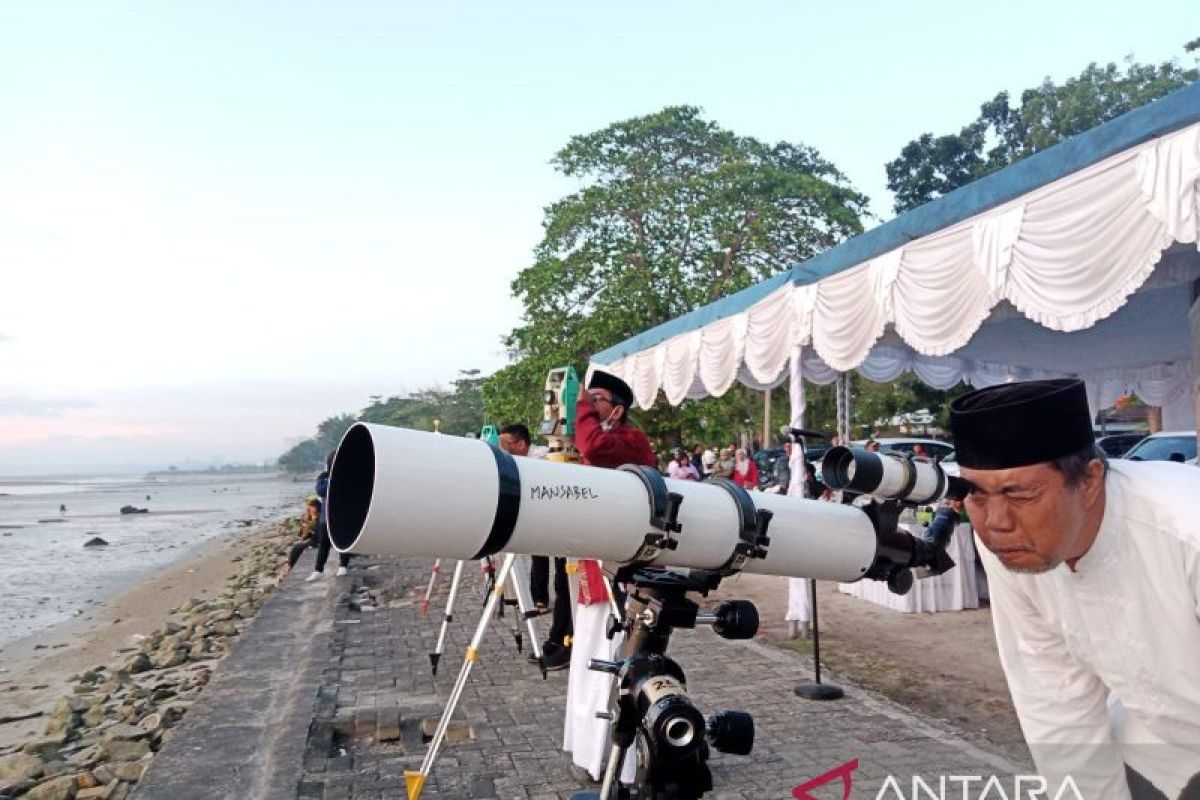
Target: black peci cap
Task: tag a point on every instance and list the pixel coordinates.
(622, 394)
(1019, 424)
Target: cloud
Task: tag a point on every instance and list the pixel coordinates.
(18, 405)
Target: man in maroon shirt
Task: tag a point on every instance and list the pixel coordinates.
(603, 434)
(605, 438)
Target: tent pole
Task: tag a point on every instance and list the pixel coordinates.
(843, 406)
(766, 433)
(1194, 318)
(839, 403)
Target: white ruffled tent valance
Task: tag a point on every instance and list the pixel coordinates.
(980, 300)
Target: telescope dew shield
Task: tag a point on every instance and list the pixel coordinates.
(883, 475)
(399, 492)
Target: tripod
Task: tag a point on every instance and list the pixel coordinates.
(511, 569)
(519, 586)
(653, 714)
(437, 567)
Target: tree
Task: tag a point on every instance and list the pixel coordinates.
(931, 166)
(304, 456)
(458, 411)
(673, 212)
(331, 431)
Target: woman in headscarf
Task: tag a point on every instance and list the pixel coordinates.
(745, 472)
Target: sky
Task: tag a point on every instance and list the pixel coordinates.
(223, 222)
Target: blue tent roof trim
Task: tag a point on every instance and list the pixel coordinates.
(1159, 118)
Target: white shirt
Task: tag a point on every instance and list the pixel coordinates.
(1104, 663)
(682, 472)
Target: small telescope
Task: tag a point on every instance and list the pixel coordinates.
(898, 481)
(889, 476)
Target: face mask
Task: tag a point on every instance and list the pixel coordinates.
(608, 422)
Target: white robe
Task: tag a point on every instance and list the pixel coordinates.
(1104, 662)
(586, 737)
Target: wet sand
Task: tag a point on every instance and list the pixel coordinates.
(36, 669)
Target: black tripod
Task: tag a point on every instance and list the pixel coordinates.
(654, 716)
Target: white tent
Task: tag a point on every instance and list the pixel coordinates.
(1080, 260)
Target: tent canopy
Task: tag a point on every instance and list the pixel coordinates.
(1078, 260)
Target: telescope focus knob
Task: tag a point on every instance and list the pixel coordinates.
(900, 581)
(600, 665)
(735, 619)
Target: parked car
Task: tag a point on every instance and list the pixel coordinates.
(1166, 446)
(765, 461)
(936, 449)
(1116, 445)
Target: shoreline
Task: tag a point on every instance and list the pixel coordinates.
(42, 668)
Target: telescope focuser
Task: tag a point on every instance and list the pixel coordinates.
(899, 552)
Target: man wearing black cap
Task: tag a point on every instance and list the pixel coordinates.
(603, 434)
(1094, 576)
(605, 438)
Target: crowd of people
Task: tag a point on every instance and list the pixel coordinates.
(732, 462)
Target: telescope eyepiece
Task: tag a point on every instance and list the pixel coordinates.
(731, 732)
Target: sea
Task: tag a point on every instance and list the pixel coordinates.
(47, 576)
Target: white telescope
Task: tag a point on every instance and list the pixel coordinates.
(889, 475)
(395, 491)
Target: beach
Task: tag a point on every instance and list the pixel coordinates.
(49, 576)
(70, 609)
(38, 668)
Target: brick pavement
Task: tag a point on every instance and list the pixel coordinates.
(377, 687)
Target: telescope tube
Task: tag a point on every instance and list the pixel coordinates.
(395, 491)
(884, 475)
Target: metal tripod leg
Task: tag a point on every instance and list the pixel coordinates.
(520, 588)
(436, 655)
(612, 772)
(437, 567)
(613, 606)
(414, 782)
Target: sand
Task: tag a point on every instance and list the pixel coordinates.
(36, 669)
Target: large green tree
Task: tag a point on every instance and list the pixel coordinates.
(930, 166)
(672, 212)
(458, 409)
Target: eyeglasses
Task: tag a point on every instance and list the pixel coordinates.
(599, 398)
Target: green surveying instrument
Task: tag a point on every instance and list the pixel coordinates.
(490, 434)
(558, 413)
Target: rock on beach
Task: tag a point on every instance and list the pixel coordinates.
(99, 738)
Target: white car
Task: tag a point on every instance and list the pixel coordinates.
(1166, 446)
(935, 449)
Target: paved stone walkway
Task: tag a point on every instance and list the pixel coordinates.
(364, 683)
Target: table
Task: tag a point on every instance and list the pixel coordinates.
(953, 590)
